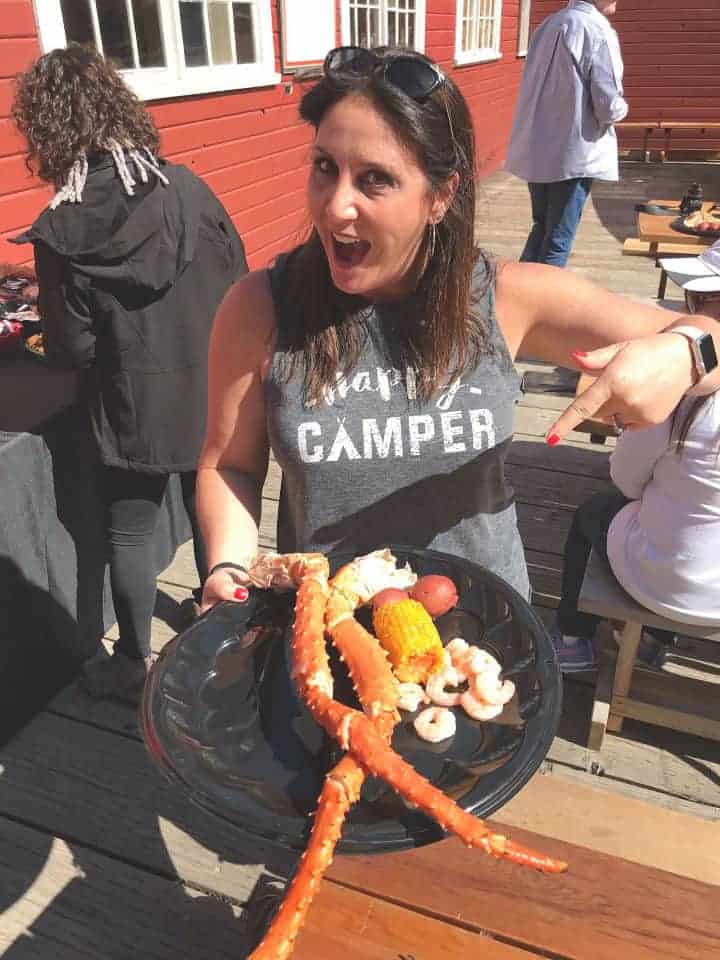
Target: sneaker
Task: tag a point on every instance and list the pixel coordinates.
(116, 678)
(575, 654)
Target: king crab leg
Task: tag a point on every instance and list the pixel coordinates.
(365, 737)
(376, 689)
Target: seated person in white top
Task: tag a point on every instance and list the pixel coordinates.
(660, 532)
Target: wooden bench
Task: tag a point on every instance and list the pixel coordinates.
(666, 128)
(625, 688)
(445, 901)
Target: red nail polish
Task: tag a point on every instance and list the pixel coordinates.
(579, 353)
(553, 440)
(241, 594)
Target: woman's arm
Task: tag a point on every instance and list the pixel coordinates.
(643, 370)
(234, 459)
(67, 324)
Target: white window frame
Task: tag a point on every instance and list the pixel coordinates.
(385, 7)
(480, 54)
(175, 79)
(524, 17)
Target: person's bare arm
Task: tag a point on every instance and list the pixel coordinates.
(642, 369)
(234, 458)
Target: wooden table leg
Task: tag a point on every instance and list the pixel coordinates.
(629, 643)
(646, 143)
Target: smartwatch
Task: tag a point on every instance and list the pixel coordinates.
(702, 348)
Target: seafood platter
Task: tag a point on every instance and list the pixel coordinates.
(701, 223)
(357, 704)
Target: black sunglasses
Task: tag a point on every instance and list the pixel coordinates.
(413, 75)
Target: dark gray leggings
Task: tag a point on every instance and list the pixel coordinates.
(133, 503)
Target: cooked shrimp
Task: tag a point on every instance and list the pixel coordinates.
(478, 661)
(435, 724)
(489, 688)
(437, 684)
(469, 660)
(457, 648)
(410, 696)
(478, 709)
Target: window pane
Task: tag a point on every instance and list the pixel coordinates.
(244, 36)
(76, 18)
(411, 30)
(220, 39)
(374, 39)
(363, 39)
(147, 33)
(365, 22)
(193, 33)
(115, 32)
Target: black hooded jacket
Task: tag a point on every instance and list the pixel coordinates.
(129, 287)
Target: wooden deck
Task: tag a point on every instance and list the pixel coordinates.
(101, 860)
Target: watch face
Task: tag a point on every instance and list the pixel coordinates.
(706, 348)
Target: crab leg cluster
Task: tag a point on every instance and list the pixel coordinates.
(324, 605)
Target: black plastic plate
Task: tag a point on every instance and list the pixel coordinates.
(221, 717)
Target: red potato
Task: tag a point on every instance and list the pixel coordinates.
(389, 595)
(437, 594)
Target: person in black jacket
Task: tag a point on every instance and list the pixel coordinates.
(133, 257)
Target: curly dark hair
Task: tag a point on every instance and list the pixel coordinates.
(73, 101)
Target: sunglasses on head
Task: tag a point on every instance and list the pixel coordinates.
(413, 75)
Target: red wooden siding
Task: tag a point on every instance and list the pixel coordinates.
(251, 147)
(21, 195)
(671, 52)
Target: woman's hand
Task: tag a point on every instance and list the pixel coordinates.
(639, 383)
(225, 584)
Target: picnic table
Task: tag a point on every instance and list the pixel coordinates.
(655, 229)
(445, 901)
(655, 232)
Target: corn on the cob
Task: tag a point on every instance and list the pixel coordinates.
(406, 630)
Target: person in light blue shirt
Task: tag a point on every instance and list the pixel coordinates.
(562, 135)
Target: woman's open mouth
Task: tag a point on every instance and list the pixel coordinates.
(349, 251)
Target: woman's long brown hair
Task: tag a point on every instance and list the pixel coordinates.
(440, 334)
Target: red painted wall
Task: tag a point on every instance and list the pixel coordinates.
(671, 52)
(250, 146)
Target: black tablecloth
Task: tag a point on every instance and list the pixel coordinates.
(54, 593)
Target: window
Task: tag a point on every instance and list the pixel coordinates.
(477, 35)
(523, 27)
(374, 23)
(167, 48)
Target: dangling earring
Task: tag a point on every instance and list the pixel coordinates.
(433, 240)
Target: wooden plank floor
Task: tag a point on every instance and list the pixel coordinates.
(100, 859)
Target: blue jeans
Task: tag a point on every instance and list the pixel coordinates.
(556, 211)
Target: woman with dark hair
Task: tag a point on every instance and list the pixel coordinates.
(376, 359)
(133, 257)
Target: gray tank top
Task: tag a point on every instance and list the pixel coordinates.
(370, 464)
